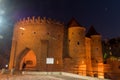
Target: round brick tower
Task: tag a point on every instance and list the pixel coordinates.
(76, 38)
(97, 57)
(96, 51)
(96, 46)
(35, 45)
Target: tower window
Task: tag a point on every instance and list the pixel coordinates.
(97, 49)
(59, 35)
(69, 40)
(78, 43)
(22, 33)
(96, 61)
(105, 62)
(34, 32)
(118, 67)
(47, 33)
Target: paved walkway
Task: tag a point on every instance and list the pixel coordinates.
(28, 77)
(36, 77)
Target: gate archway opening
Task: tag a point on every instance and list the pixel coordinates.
(28, 61)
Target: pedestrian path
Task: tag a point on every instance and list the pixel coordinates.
(37, 77)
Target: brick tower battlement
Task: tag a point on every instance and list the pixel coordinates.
(39, 20)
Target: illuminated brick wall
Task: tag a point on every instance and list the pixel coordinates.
(40, 35)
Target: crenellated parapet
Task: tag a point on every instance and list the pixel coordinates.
(37, 20)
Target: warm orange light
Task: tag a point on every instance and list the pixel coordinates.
(57, 62)
(82, 69)
(29, 59)
(100, 70)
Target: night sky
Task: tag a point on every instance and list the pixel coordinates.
(103, 14)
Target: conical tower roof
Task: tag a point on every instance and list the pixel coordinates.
(92, 31)
(73, 23)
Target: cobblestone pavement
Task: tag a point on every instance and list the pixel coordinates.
(36, 77)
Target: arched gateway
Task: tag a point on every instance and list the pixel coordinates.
(26, 60)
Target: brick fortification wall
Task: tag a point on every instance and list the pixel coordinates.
(69, 49)
(40, 35)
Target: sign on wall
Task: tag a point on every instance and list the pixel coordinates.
(49, 60)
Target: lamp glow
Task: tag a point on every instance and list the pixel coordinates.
(2, 12)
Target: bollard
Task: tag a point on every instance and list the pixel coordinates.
(3, 71)
(12, 71)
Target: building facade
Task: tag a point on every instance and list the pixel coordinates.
(48, 45)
